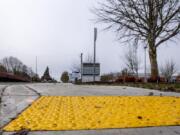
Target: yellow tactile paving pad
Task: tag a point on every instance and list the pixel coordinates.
(97, 112)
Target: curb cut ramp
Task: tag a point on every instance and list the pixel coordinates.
(52, 113)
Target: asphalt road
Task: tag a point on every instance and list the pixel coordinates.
(16, 97)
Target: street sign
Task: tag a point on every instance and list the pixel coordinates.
(88, 69)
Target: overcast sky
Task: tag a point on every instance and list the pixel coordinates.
(57, 31)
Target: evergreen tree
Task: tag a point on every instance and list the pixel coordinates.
(46, 76)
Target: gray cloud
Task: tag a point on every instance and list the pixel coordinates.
(57, 31)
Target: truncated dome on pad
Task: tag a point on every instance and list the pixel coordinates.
(97, 112)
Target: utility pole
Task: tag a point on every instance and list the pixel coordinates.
(145, 71)
(81, 65)
(95, 39)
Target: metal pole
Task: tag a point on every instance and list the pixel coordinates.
(36, 66)
(81, 65)
(145, 72)
(95, 38)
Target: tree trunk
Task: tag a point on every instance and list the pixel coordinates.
(153, 62)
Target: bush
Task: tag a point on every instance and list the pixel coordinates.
(140, 80)
(122, 79)
(119, 80)
(153, 80)
(65, 77)
(130, 79)
(178, 79)
(107, 78)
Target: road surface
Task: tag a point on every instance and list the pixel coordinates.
(17, 97)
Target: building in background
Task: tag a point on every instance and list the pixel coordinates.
(74, 76)
(88, 72)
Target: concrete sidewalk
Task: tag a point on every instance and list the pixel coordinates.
(75, 90)
(17, 97)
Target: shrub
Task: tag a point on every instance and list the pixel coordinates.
(130, 79)
(122, 79)
(65, 77)
(119, 79)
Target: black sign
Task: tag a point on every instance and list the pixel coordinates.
(88, 69)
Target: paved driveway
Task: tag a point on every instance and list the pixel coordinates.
(16, 97)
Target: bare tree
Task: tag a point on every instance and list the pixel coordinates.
(89, 58)
(15, 66)
(168, 70)
(30, 72)
(150, 21)
(2, 68)
(5, 63)
(132, 61)
(12, 64)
